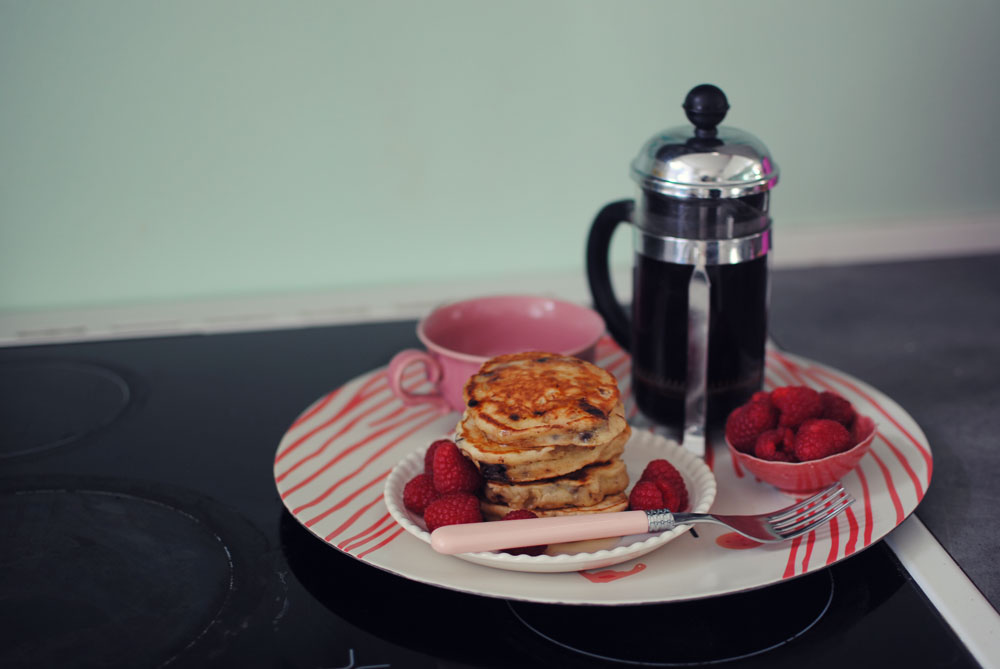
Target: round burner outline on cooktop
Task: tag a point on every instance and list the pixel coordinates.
(93, 569)
(48, 403)
(725, 626)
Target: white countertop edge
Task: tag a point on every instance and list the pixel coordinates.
(275, 312)
(832, 244)
(956, 598)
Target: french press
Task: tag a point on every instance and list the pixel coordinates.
(700, 287)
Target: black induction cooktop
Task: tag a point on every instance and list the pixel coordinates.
(142, 528)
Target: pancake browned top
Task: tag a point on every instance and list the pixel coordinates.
(528, 395)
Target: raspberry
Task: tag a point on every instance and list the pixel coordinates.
(519, 514)
(669, 481)
(659, 468)
(429, 455)
(775, 445)
(761, 396)
(796, 404)
(418, 493)
(747, 421)
(675, 494)
(837, 408)
(645, 495)
(453, 472)
(453, 509)
(820, 437)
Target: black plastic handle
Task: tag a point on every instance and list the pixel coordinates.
(598, 273)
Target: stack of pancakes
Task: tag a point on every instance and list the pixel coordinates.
(547, 433)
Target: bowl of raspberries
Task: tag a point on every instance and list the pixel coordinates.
(797, 438)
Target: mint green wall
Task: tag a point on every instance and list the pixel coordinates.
(164, 150)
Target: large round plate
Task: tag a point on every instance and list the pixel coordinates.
(642, 447)
(332, 464)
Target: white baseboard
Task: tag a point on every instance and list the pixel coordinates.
(824, 245)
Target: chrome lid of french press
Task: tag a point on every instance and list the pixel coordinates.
(705, 160)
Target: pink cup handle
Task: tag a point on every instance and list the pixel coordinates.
(432, 369)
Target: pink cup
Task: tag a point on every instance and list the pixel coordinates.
(461, 336)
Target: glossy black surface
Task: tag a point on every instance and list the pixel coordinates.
(199, 433)
(48, 403)
(817, 620)
(91, 572)
(753, 623)
(870, 621)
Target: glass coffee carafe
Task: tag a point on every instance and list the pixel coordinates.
(702, 234)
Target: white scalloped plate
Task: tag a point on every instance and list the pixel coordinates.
(641, 448)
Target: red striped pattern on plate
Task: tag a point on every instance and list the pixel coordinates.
(331, 465)
(332, 461)
(899, 464)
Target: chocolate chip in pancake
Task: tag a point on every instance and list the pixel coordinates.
(584, 487)
(524, 461)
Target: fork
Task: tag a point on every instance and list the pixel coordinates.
(781, 525)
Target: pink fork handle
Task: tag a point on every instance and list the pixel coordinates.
(474, 537)
(432, 369)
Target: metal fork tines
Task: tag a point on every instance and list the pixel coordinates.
(781, 525)
(809, 514)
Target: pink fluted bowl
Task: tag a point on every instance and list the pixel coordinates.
(805, 478)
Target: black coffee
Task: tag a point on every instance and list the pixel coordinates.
(737, 335)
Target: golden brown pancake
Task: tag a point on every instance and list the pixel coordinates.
(619, 502)
(533, 395)
(546, 431)
(614, 426)
(514, 463)
(584, 487)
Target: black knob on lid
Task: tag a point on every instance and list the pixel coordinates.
(706, 105)
(709, 161)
